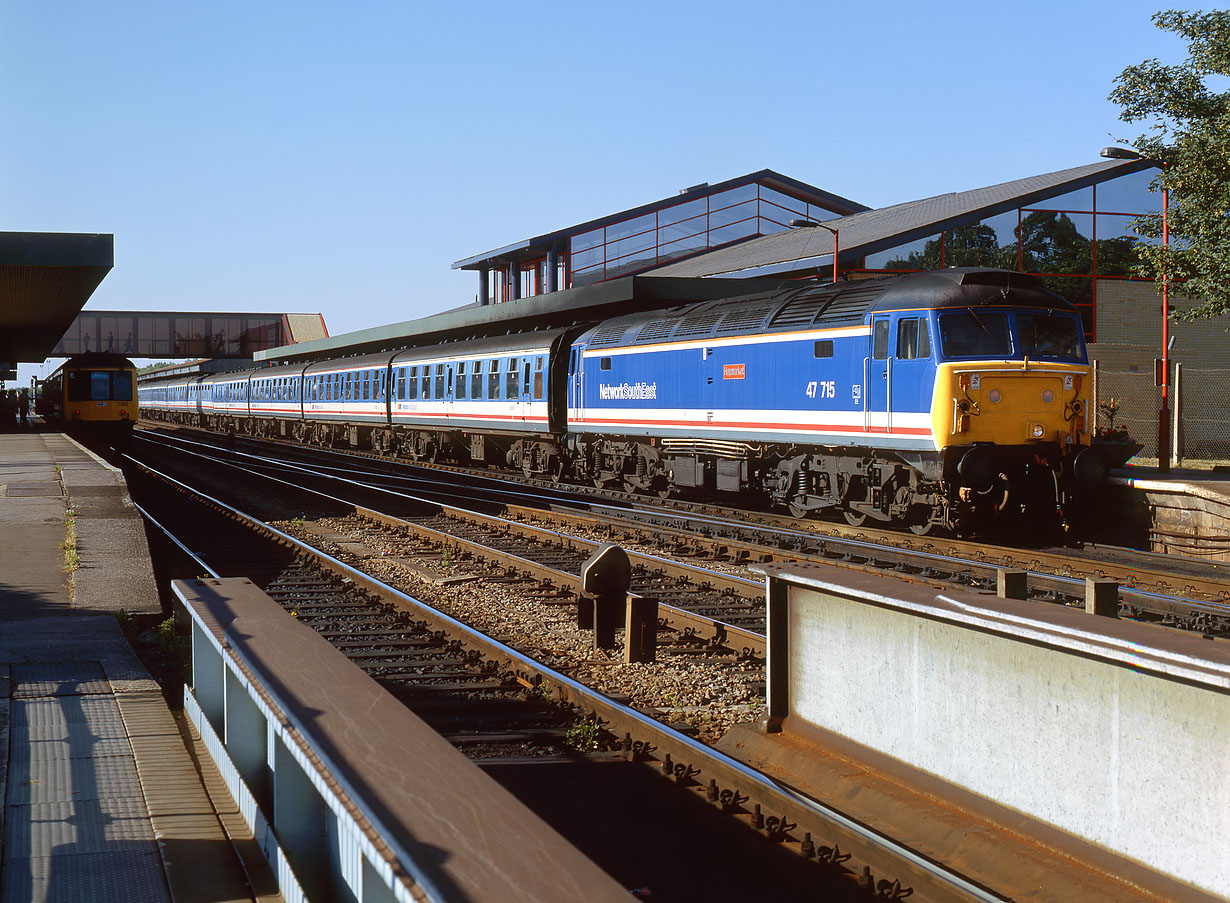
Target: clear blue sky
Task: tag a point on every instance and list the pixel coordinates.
(330, 157)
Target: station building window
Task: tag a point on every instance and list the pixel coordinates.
(1070, 241)
(652, 239)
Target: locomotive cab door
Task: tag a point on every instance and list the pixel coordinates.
(575, 388)
(878, 412)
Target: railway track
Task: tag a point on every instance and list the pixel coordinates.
(506, 708)
(730, 611)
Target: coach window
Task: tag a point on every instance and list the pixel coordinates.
(461, 379)
(512, 381)
(439, 381)
(412, 382)
(538, 362)
(493, 380)
(824, 348)
(912, 339)
(879, 340)
(476, 380)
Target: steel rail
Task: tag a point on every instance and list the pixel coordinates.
(929, 565)
(680, 619)
(874, 850)
(150, 519)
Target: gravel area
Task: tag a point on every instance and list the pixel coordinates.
(711, 696)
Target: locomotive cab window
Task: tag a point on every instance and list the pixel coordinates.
(879, 340)
(1049, 335)
(913, 341)
(975, 333)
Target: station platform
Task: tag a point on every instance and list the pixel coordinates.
(101, 798)
(1185, 511)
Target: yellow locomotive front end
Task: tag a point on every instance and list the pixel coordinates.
(1011, 403)
(1010, 411)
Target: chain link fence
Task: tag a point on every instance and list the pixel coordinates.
(1199, 407)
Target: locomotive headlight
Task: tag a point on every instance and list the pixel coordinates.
(1048, 396)
(1038, 430)
(994, 396)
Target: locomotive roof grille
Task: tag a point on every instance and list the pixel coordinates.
(656, 330)
(744, 318)
(611, 334)
(827, 307)
(698, 324)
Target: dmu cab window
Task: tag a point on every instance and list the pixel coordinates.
(913, 340)
(1049, 335)
(975, 333)
(121, 386)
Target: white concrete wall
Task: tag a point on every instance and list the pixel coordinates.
(1116, 751)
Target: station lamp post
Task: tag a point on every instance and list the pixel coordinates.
(1163, 414)
(834, 231)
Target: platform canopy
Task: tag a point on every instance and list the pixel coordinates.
(45, 280)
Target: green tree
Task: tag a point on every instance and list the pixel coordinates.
(1189, 134)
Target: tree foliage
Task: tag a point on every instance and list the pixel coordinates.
(1189, 134)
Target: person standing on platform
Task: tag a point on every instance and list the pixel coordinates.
(8, 408)
(23, 407)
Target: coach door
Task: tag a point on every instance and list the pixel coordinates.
(450, 391)
(879, 378)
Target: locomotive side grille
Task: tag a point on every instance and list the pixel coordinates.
(608, 335)
(656, 330)
(698, 324)
(799, 312)
(745, 318)
(849, 307)
(827, 308)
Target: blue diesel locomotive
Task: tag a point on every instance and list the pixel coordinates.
(954, 399)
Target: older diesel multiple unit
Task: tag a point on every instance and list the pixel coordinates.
(93, 391)
(944, 398)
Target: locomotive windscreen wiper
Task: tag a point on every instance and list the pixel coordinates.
(981, 325)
